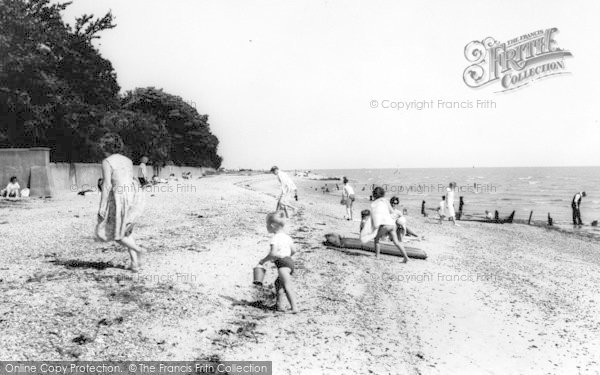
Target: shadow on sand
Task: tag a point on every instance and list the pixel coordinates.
(256, 304)
(74, 263)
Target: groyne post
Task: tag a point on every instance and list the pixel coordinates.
(530, 215)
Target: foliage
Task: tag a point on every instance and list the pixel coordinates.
(192, 143)
(53, 83)
(143, 134)
(56, 90)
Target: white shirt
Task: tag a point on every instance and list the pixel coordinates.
(348, 190)
(12, 187)
(287, 185)
(396, 214)
(442, 207)
(381, 213)
(449, 197)
(281, 245)
(143, 170)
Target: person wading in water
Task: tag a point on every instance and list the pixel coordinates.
(575, 206)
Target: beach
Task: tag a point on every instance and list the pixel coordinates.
(498, 299)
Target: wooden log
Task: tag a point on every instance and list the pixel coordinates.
(335, 240)
(530, 215)
(507, 220)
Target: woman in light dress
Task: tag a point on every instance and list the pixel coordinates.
(450, 202)
(121, 201)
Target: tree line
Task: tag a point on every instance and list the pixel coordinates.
(57, 91)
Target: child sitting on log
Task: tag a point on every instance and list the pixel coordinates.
(403, 231)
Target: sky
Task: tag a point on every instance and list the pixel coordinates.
(303, 84)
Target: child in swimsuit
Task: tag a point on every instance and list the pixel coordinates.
(281, 251)
(442, 209)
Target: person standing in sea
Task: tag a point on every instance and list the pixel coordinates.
(288, 191)
(121, 200)
(575, 206)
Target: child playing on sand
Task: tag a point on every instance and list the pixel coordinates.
(13, 189)
(382, 221)
(281, 251)
(442, 209)
(403, 231)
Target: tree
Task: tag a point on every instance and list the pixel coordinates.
(54, 85)
(56, 90)
(191, 141)
(143, 134)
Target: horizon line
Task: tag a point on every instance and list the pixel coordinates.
(397, 168)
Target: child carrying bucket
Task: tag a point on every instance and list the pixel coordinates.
(281, 251)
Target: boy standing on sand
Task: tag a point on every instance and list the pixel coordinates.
(442, 209)
(281, 251)
(348, 198)
(288, 191)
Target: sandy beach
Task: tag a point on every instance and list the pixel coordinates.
(493, 299)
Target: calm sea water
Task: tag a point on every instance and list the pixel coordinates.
(541, 190)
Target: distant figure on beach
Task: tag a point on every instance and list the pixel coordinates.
(450, 202)
(281, 250)
(143, 172)
(442, 209)
(121, 200)
(575, 206)
(383, 223)
(400, 220)
(348, 199)
(489, 215)
(288, 191)
(13, 189)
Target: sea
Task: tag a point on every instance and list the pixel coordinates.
(543, 190)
